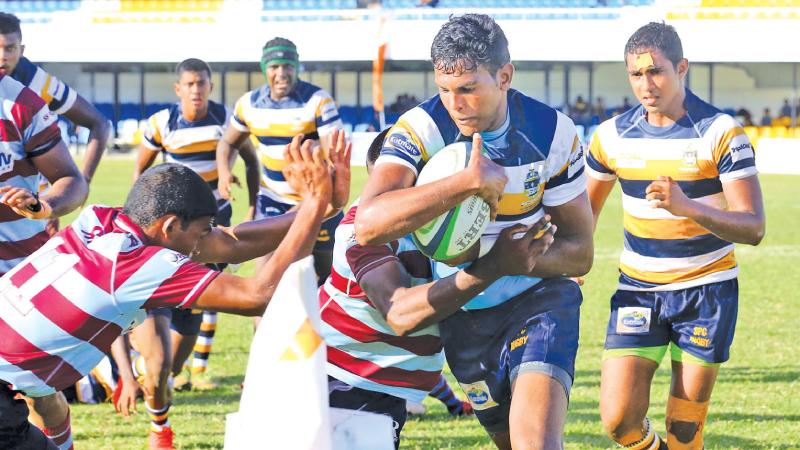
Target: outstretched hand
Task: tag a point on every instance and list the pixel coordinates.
(339, 156)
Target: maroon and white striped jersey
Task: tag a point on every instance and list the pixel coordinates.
(363, 351)
(27, 129)
(63, 306)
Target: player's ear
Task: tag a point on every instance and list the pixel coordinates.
(21, 49)
(504, 76)
(178, 89)
(683, 68)
(170, 223)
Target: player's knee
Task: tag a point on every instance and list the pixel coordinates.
(536, 440)
(685, 421)
(620, 423)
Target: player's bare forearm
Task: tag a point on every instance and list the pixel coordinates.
(67, 194)
(391, 208)
(415, 308)
(245, 241)
(572, 251)
(252, 171)
(250, 296)
(144, 160)
(84, 114)
(121, 353)
(742, 221)
(744, 227)
(598, 191)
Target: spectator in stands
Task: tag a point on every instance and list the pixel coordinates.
(766, 119)
(428, 3)
(599, 110)
(579, 112)
(786, 109)
(744, 116)
(626, 105)
(368, 3)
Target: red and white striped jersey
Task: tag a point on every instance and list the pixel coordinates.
(63, 306)
(27, 129)
(363, 351)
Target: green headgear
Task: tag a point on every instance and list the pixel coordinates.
(279, 54)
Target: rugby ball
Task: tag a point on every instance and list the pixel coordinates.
(455, 231)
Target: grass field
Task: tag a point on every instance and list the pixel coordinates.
(756, 403)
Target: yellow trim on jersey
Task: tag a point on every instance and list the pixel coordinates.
(723, 144)
(676, 169)
(155, 128)
(273, 163)
(195, 147)
(725, 263)
(402, 123)
(662, 229)
(515, 204)
(211, 175)
(322, 103)
(285, 129)
(45, 94)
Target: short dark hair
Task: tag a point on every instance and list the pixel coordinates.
(375, 147)
(192, 65)
(9, 23)
(169, 188)
(468, 41)
(656, 36)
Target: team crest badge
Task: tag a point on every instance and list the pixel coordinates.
(478, 395)
(690, 157)
(531, 185)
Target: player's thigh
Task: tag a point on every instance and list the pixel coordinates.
(625, 391)
(538, 411)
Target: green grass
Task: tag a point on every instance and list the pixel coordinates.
(756, 403)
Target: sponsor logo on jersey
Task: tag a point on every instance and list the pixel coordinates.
(479, 395)
(690, 157)
(633, 320)
(175, 258)
(400, 142)
(6, 161)
(531, 186)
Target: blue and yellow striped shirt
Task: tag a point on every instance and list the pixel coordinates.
(701, 151)
(308, 110)
(192, 144)
(537, 146)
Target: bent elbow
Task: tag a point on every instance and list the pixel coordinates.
(365, 230)
(758, 236)
(584, 263)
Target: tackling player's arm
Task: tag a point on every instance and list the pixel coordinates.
(572, 252)
(84, 114)
(307, 172)
(410, 309)
(391, 206)
(743, 222)
(257, 238)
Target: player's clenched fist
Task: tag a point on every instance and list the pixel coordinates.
(24, 202)
(490, 177)
(513, 254)
(666, 193)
